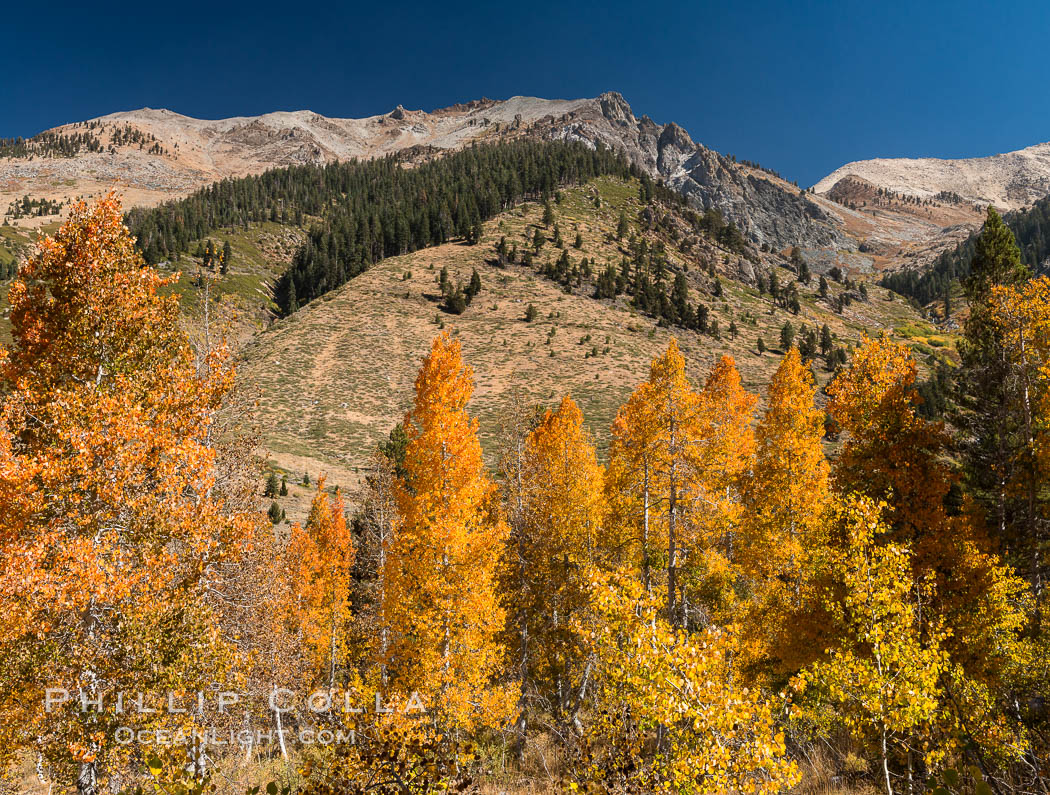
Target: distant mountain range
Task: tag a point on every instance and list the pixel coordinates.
(1009, 181)
(174, 154)
(868, 216)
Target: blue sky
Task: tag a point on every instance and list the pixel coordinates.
(801, 87)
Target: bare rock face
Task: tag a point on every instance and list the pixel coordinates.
(765, 208)
(615, 109)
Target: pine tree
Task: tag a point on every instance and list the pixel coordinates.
(826, 342)
(274, 513)
(475, 285)
(787, 336)
(989, 392)
(272, 485)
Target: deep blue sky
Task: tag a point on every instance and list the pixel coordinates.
(802, 87)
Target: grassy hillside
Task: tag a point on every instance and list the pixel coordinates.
(335, 377)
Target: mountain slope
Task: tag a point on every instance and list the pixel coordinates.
(1009, 181)
(154, 155)
(334, 377)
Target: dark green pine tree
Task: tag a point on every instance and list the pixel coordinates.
(761, 346)
(227, 256)
(474, 287)
(292, 301)
(284, 486)
(826, 342)
(578, 242)
(456, 302)
(275, 513)
(787, 336)
(623, 228)
(999, 446)
(395, 448)
(273, 485)
(548, 214)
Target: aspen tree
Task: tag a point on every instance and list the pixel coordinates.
(112, 538)
(441, 601)
(554, 544)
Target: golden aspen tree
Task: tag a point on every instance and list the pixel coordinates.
(892, 454)
(441, 601)
(654, 438)
(321, 558)
(111, 538)
(630, 486)
(881, 682)
(1018, 317)
(549, 556)
(669, 711)
(786, 498)
(723, 454)
(896, 456)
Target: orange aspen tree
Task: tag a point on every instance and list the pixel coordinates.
(630, 485)
(787, 490)
(320, 559)
(550, 553)
(786, 498)
(896, 456)
(655, 435)
(111, 541)
(721, 458)
(440, 592)
(892, 455)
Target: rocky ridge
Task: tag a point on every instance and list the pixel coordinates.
(196, 152)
